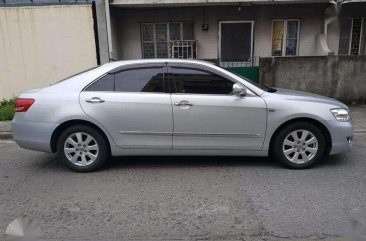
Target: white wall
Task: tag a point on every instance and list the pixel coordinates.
(40, 45)
(127, 37)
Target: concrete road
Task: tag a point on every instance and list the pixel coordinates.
(184, 198)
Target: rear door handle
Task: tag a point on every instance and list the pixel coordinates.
(183, 103)
(95, 100)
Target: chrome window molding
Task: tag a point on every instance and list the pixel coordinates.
(246, 135)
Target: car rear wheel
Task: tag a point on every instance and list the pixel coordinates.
(299, 145)
(82, 148)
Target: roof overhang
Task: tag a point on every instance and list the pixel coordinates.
(173, 3)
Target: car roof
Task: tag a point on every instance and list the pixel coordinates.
(150, 61)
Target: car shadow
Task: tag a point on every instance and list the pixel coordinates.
(188, 161)
(127, 162)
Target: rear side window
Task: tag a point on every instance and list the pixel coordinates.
(140, 80)
(132, 80)
(106, 83)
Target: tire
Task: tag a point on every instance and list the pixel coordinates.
(82, 155)
(292, 152)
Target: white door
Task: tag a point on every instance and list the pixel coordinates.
(208, 117)
(133, 106)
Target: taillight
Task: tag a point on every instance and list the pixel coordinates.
(22, 104)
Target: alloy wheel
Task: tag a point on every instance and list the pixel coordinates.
(300, 146)
(81, 149)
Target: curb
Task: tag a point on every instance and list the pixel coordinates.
(6, 135)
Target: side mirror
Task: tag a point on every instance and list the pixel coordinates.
(239, 90)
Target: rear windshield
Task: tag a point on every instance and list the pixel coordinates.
(75, 75)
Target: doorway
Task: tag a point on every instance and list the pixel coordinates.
(236, 43)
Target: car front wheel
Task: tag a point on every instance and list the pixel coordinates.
(82, 148)
(299, 145)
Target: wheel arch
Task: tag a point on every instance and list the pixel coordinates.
(57, 132)
(317, 123)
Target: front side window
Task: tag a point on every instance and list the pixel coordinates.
(194, 81)
(285, 37)
(132, 80)
(350, 36)
(157, 37)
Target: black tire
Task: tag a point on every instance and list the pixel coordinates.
(102, 155)
(277, 148)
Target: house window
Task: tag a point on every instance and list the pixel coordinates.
(350, 36)
(157, 37)
(285, 37)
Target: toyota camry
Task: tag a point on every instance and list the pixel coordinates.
(177, 107)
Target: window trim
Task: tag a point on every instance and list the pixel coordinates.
(168, 34)
(285, 20)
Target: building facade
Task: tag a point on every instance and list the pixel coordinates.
(233, 34)
(43, 41)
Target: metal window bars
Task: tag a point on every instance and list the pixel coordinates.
(239, 62)
(183, 49)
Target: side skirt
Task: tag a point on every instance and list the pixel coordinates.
(171, 152)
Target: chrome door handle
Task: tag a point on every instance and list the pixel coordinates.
(95, 100)
(183, 103)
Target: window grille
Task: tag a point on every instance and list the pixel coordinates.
(350, 38)
(183, 49)
(168, 40)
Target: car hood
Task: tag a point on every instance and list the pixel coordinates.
(305, 96)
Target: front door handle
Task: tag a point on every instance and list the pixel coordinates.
(183, 103)
(95, 100)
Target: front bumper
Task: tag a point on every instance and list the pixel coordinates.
(33, 135)
(342, 136)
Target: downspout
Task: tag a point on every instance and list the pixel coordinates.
(109, 31)
(331, 15)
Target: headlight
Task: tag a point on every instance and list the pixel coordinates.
(341, 114)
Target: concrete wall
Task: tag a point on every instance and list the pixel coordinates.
(339, 77)
(40, 45)
(102, 31)
(127, 37)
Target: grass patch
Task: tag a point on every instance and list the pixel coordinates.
(7, 109)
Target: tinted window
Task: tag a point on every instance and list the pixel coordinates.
(200, 82)
(105, 83)
(140, 80)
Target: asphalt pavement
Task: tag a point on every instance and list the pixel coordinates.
(184, 198)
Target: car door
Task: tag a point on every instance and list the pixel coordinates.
(207, 116)
(133, 106)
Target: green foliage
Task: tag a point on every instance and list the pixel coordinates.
(7, 109)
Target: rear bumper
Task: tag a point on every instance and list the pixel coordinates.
(33, 135)
(342, 136)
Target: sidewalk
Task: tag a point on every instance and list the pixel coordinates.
(5, 130)
(358, 114)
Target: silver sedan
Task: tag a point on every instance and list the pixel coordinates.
(177, 107)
